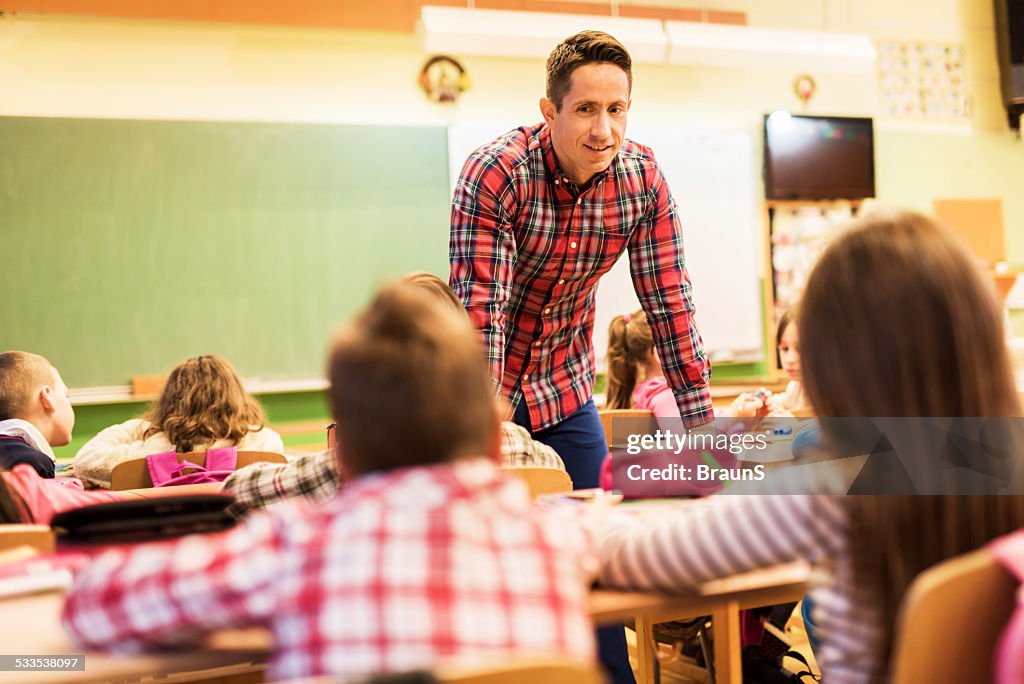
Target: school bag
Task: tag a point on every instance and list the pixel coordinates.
(138, 520)
(166, 471)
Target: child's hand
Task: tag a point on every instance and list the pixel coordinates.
(751, 405)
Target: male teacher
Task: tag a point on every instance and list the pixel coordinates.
(538, 216)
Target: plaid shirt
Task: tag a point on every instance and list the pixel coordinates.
(315, 476)
(402, 569)
(527, 250)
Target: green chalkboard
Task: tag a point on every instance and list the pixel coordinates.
(131, 245)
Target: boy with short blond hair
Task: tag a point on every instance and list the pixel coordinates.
(428, 553)
(35, 412)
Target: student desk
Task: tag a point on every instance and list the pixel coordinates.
(30, 625)
(180, 490)
(721, 599)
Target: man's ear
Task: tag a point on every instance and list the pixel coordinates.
(547, 109)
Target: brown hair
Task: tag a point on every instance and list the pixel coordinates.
(202, 402)
(435, 287)
(787, 318)
(409, 384)
(586, 47)
(21, 374)
(630, 342)
(896, 320)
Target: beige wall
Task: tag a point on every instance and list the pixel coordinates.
(56, 66)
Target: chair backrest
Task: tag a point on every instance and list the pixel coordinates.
(542, 480)
(134, 474)
(39, 537)
(619, 423)
(951, 619)
(517, 670)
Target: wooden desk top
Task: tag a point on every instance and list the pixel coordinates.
(30, 625)
(181, 490)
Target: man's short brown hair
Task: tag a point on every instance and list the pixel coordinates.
(21, 374)
(409, 384)
(586, 47)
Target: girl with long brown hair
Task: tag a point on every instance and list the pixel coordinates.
(202, 406)
(896, 321)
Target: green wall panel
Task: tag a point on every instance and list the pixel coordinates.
(131, 245)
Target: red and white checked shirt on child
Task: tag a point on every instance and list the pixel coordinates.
(527, 250)
(400, 570)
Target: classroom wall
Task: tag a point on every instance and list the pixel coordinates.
(63, 66)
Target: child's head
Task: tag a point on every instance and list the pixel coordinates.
(410, 385)
(787, 340)
(896, 320)
(436, 287)
(31, 389)
(630, 349)
(204, 401)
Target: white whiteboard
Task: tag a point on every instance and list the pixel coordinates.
(714, 179)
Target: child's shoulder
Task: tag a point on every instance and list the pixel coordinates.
(646, 391)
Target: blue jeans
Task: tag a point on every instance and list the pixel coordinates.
(580, 441)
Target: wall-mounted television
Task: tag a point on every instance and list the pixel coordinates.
(818, 157)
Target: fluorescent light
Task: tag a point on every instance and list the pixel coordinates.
(500, 33)
(749, 46)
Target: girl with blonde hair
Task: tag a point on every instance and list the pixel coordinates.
(202, 406)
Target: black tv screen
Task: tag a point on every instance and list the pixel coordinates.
(818, 157)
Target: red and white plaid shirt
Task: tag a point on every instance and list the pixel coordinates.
(527, 250)
(398, 571)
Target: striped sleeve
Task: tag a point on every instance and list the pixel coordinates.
(733, 534)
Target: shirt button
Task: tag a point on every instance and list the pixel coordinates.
(547, 310)
(537, 343)
(561, 281)
(573, 245)
(579, 201)
(556, 181)
(526, 378)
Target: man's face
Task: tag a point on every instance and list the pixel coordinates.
(589, 129)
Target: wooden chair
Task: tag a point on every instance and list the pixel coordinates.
(950, 621)
(39, 537)
(542, 480)
(134, 474)
(619, 423)
(552, 670)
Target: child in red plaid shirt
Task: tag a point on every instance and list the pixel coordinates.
(430, 553)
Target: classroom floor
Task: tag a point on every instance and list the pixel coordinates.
(679, 669)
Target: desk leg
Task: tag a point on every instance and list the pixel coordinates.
(728, 643)
(646, 651)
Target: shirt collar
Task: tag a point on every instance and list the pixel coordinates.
(16, 427)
